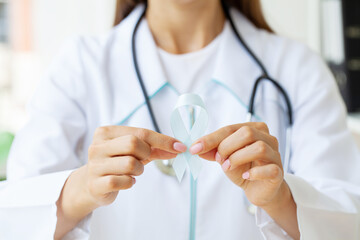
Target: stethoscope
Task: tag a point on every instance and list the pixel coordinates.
(166, 166)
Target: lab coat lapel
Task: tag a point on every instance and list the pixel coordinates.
(131, 97)
(235, 69)
(228, 93)
(235, 74)
(148, 59)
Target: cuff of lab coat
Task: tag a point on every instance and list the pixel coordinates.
(81, 231)
(33, 191)
(268, 227)
(30, 205)
(328, 213)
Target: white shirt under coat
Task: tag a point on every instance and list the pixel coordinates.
(92, 83)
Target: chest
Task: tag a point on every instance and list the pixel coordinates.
(159, 200)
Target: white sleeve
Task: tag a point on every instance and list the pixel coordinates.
(325, 161)
(45, 151)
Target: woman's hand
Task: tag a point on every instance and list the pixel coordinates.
(116, 156)
(249, 156)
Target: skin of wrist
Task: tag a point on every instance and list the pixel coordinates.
(283, 210)
(280, 202)
(76, 202)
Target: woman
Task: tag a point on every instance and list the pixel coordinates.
(76, 174)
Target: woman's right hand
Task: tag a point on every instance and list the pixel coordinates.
(116, 155)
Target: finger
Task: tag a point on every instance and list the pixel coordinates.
(266, 172)
(241, 138)
(125, 165)
(121, 146)
(152, 138)
(210, 155)
(212, 140)
(258, 151)
(112, 183)
(157, 154)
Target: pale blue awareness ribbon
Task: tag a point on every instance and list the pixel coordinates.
(181, 133)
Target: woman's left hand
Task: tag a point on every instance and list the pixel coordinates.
(250, 157)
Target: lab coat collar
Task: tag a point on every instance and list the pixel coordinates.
(235, 70)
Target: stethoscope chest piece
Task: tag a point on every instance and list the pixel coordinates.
(165, 166)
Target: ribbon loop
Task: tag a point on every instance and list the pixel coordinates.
(188, 137)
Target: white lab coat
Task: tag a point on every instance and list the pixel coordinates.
(92, 83)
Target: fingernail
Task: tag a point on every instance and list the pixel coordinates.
(196, 148)
(246, 175)
(180, 147)
(226, 165)
(134, 181)
(218, 157)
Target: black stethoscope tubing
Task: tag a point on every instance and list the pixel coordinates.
(264, 76)
(138, 73)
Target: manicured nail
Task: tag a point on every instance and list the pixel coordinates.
(246, 175)
(218, 157)
(180, 147)
(196, 148)
(134, 181)
(226, 165)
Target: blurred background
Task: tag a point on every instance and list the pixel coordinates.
(32, 31)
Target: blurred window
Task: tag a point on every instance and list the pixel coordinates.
(4, 29)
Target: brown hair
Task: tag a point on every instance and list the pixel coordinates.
(250, 8)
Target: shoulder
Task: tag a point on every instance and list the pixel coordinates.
(293, 64)
(300, 70)
(282, 51)
(289, 57)
(84, 62)
(275, 50)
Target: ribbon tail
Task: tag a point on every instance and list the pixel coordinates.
(195, 166)
(179, 166)
(183, 160)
